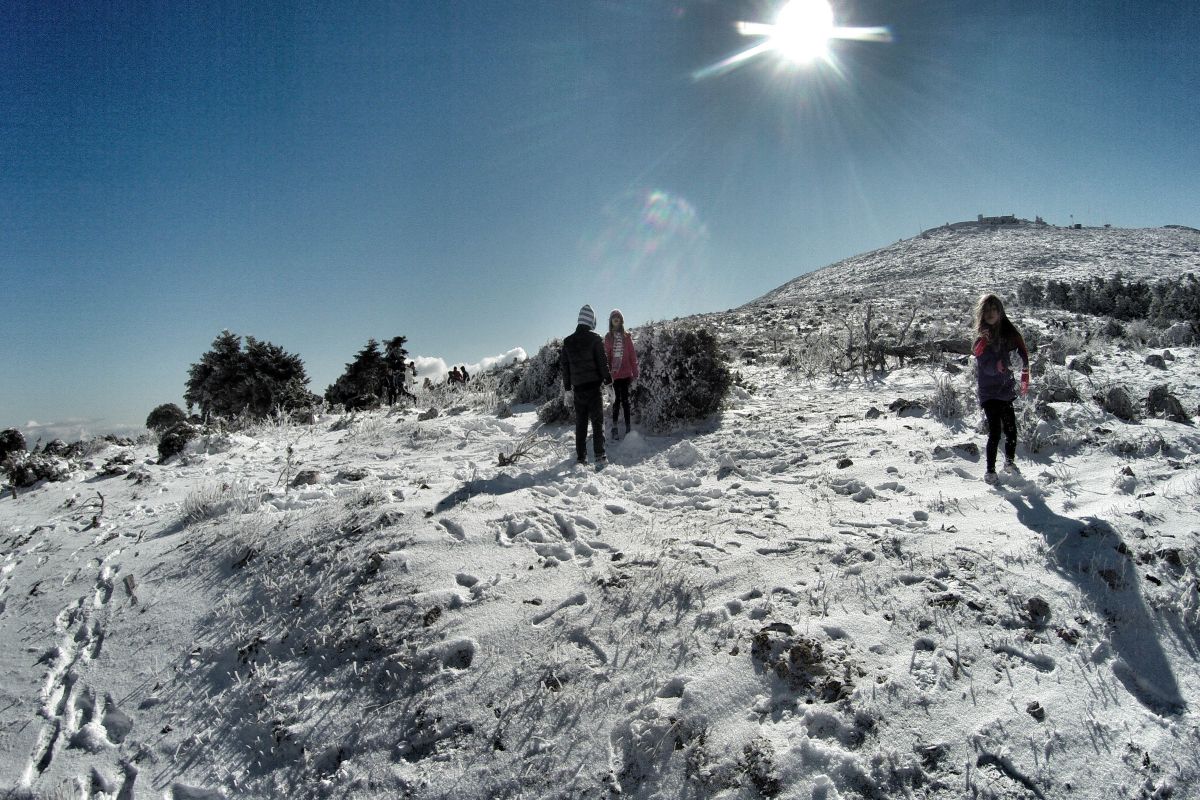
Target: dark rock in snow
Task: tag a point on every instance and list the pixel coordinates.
(1118, 403)
(1156, 361)
(306, 477)
(1161, 402)
(906, 408)
(1038, 611)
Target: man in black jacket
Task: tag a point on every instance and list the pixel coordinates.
(584, 370)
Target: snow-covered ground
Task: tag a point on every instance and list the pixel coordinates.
(808, 596)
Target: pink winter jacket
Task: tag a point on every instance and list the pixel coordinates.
(628, 366)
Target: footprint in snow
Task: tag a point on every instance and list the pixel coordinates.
(454, 529)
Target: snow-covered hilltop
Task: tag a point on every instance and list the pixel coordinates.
(973, 257)
(810, 595)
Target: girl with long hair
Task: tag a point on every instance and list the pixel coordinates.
(996, 339)
(623, 363)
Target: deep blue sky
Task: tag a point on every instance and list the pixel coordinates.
(468, 173)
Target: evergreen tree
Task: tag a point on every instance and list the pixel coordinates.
(229, 381)
(362, 384)
(164, 417)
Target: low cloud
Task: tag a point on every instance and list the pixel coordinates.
(436, 369)
(75, 430)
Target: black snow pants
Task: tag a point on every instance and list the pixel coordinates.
(589, 407)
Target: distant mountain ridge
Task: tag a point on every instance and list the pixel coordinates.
(973, 257)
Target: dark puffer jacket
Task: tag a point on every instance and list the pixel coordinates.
(583, 360)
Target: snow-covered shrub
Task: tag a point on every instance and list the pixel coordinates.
(11, 441)
(25, 469)
(175, 439)
(165, 417)
(683, 375)
(1141, 333)
(555, 411)
(214, 501)
(1035, 434)
(1065, 344)
(946, 401)
(541, 376)
(817, 355)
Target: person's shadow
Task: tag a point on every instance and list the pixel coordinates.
(1091, 554)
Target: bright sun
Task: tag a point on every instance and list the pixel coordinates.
(802, 30)
(800, 34)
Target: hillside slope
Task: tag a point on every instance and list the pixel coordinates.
(810, 595)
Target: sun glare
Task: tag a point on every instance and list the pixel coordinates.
(802, 30)
(800, 34)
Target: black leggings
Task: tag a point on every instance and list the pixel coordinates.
(1000, 415)
(621, 386)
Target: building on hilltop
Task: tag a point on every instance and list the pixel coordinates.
(1007, 219)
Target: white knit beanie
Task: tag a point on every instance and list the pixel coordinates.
(587, 316)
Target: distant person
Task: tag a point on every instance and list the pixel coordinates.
(454, 376)
(622, 364)
(466, 376)
(996, 339)
(584, 371)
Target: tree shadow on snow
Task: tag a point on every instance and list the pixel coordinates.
(504, 484)
(1091, 553)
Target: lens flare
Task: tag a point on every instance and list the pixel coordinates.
(651, 236)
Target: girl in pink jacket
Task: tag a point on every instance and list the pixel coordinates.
(622, 363)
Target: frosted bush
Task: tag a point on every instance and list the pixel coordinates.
(946, 401)
(215, 501)
(25, 469)
(541, 378)
(683, 375)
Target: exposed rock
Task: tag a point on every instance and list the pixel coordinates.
(873, 413)
(307, 477)
(1037, 611)
(1161, 402)
(1156, 361)
(1120, 404)
(844, 462)
(56, 447)
(906, 408)
(1180, 333)
(1080, 364)
(432, 413)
